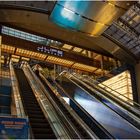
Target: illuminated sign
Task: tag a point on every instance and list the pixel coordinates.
(51, 51)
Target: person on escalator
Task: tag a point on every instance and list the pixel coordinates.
(37, 70)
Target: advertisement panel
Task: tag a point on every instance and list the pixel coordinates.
(13, 128)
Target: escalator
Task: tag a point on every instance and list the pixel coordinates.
(106, 102)
(115, 124)
(81, 131)
(91, 122)
(40, 126)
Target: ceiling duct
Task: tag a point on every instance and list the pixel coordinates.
(90, 17)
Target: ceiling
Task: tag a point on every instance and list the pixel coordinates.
(115, 41)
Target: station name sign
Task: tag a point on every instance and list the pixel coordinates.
(51, 51)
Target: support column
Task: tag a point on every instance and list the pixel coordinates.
(137, 71)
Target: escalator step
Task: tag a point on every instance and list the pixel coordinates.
(32, 120)
(44, 136)
(40, 125)
(36, 115)
(33, 108)
(42, 131)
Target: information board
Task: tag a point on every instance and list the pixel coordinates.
(13, 128)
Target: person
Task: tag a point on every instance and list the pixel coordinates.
(37, 70)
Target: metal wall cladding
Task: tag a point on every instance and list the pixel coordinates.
(90, 17)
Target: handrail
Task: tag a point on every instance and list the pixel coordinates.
(70, 110)
(136, 110)
(105, 86)
(97, 99)
(137, 119)
(93, 81)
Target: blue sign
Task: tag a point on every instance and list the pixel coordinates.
(13, 128)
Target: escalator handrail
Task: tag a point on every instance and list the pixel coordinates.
(105, 86)
(114, 96)
(106, 105)
(137, 111)
(136, 118)
(100, 126)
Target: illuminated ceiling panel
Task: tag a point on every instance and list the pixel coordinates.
(76, 49)
(84, 52)
(7, 48)
(2, 61)
(66, 46)
(15, 56)
(15, 60)
(25, 58)
(59, 61)
(97, 57)
(83, 67)
(2, 57)
(98, 71)
(30, 54)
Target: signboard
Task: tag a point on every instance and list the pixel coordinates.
(13, 128)
(51, 51)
